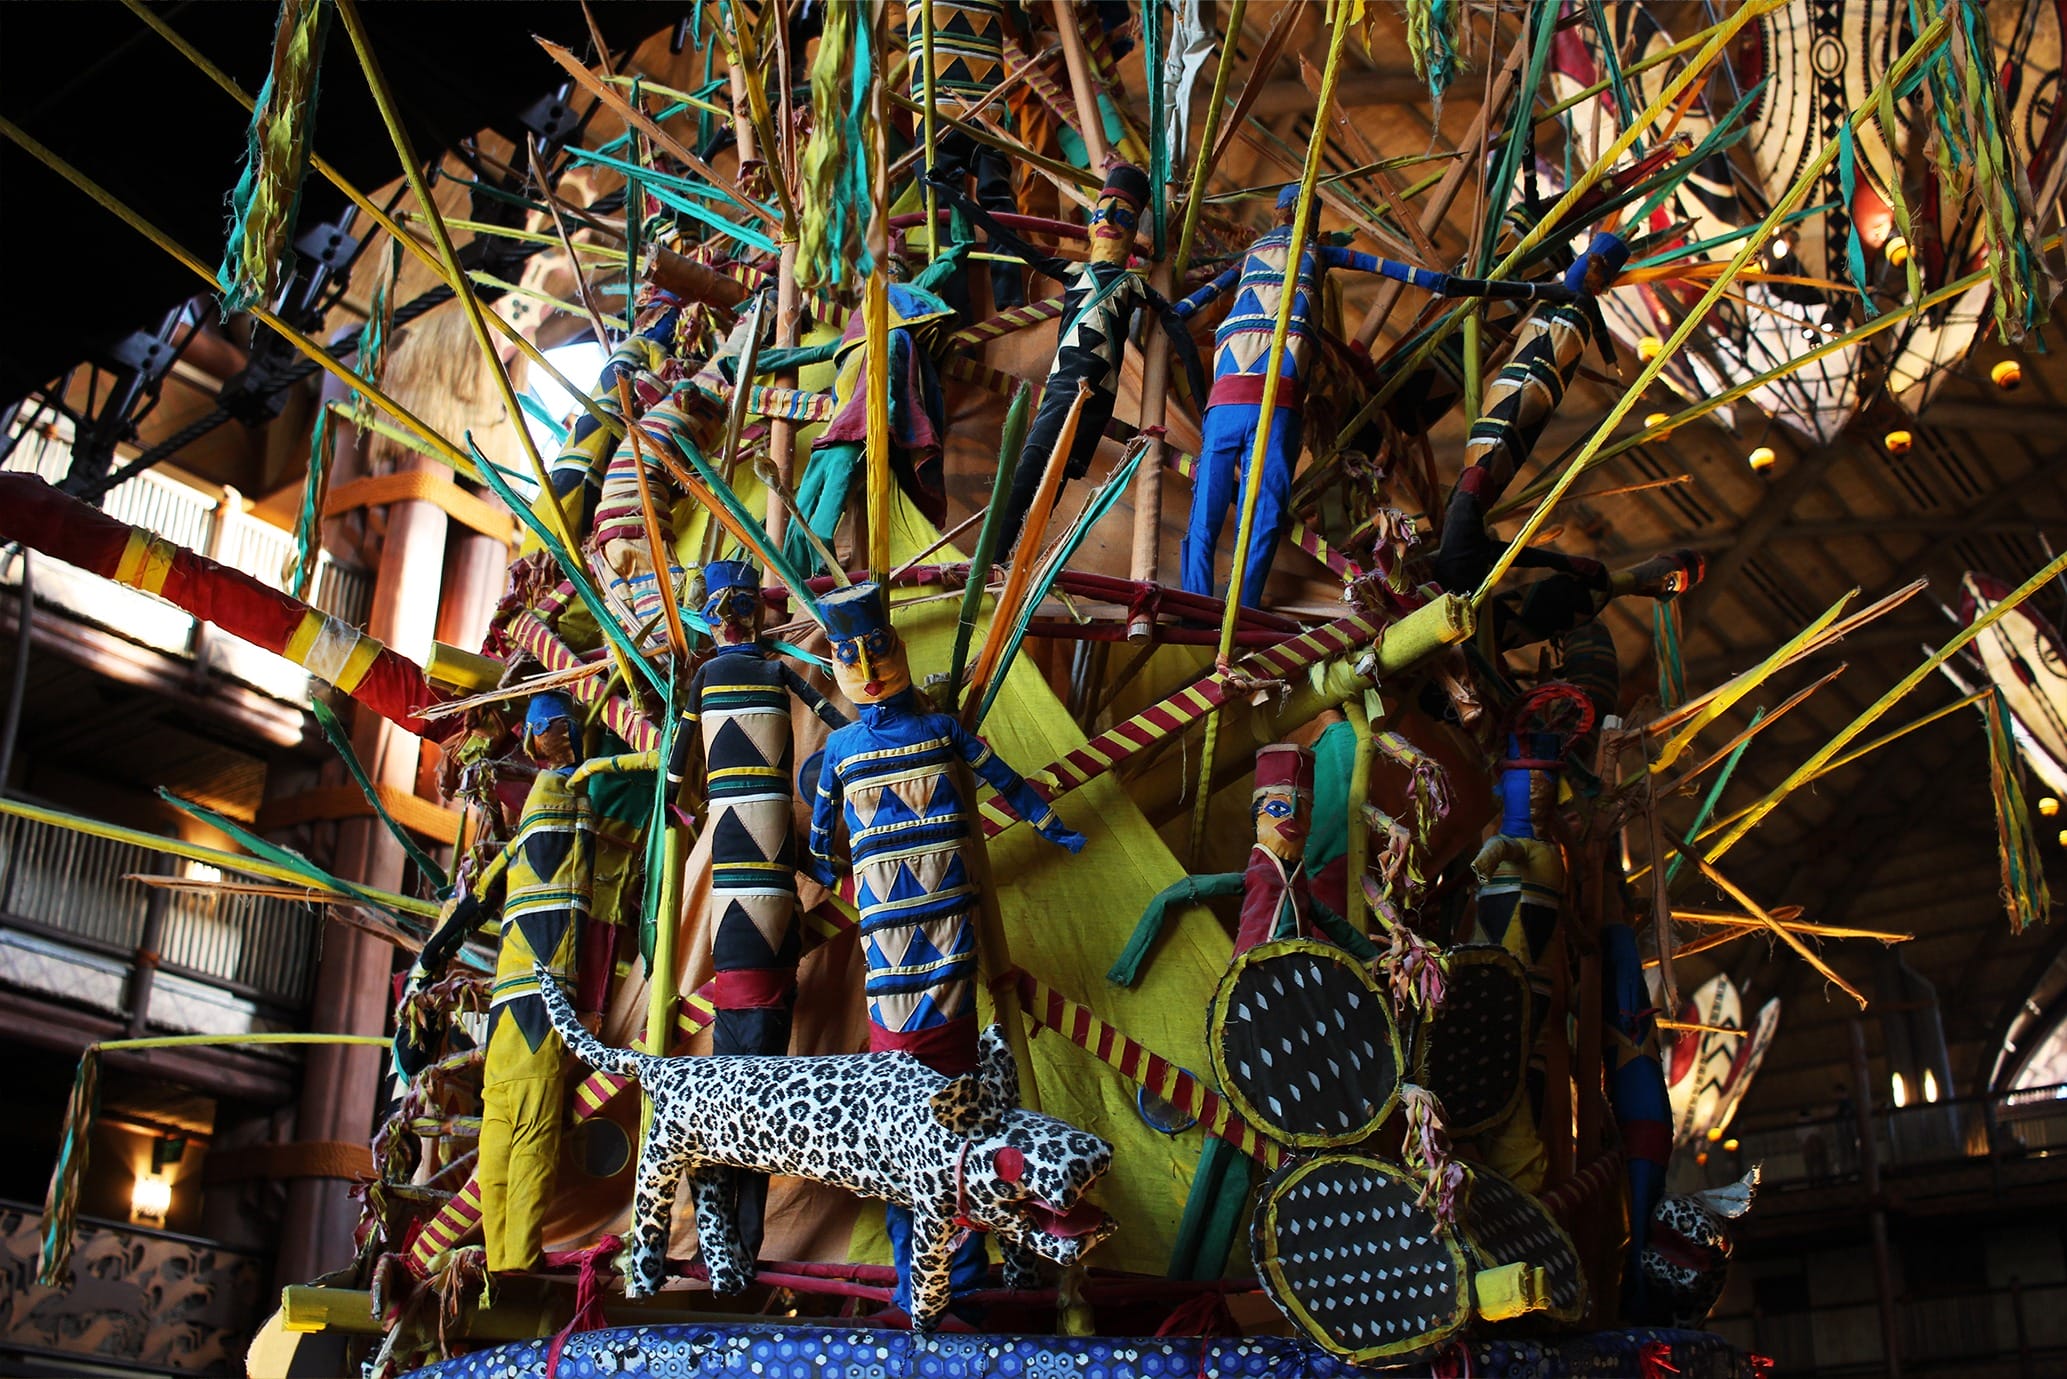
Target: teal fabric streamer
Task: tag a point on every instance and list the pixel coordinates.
(267, 197)
(535, 409)
(1848, 183)
(1101, 503)
(717, 222)
(341, 742)
(1666, 649)
(308, 525)
(1152, 43)
(1708, 802)
(288, 857)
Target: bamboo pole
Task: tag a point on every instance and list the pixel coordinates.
(649, 517)
(1144, 563)
(446, 451)
(1736, 893)
(1081, 85)
(1302, 228)
(929, 78)
(556, 515)
(1932, 35)
(876, 304)
(782, 432)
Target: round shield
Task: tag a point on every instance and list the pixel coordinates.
(1341, 1248)
(1475, 1051)
(1502, 1225)
(1302, 1040)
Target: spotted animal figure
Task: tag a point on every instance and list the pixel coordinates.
(960, 1154)
(1686, 1261)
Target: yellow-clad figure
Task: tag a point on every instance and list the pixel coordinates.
(546, 874)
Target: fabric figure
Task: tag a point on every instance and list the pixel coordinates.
(579, 466)
(1276, 904)
(1241, 362)
(1636, 1091)
(1521, 894)
(893, 773)
(1099, 300)
(619, 553)
(968, 63)
(545, 905)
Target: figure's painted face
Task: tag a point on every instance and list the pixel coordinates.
(1281, 818)
(870, 668)
(1113, 221)
(735, 615)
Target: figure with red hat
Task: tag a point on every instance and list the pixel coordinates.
(1099, 299)
(1241, 353)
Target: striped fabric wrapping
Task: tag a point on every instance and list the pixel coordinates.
(1134, 1061)
(1008, 321)
(531, 635)
(455, 1223)
(1581, 1194)
(1121, 742)
(791, 404)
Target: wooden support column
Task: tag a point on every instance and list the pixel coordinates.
(341, 1089)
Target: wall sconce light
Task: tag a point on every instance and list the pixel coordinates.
(2048, 806)
(1649, 348)
(1898, 442)
(1762, 459)
(150, 1199)
(2007, 375)
(1897, 250)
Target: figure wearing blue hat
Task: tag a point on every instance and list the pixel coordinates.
(1241, 361)
(893, 772)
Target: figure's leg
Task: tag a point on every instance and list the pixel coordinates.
(994, 193)
(1225, 434)
(713, 1190)
(929, 1259)
(1273, 501)
(822, 499)
(1212, 1212)
(653, 1210)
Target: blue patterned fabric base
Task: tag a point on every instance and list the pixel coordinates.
(796, 1352)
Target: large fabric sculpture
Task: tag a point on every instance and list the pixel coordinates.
(893, 772)
(1098, 304)
(955, 1155)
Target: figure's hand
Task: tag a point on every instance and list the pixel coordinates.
(1068, 840)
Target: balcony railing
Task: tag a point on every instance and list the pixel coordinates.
(72, 926)
(151, 1302)
(214, 526)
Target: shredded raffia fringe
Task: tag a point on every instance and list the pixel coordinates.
(1433, 28)
(1427, 1153)
(1972, 155)
(832, 247)
(268, 193)
(308, 526)
(2025, 894)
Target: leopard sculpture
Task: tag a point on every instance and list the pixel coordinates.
(960, 1153)
(1686, 1261)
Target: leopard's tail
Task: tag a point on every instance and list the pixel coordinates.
(583, 1045)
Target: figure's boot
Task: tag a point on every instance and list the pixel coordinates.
(1664, 576)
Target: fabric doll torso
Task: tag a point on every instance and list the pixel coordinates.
(968, 47)
(1274, 902)
(1241, 344)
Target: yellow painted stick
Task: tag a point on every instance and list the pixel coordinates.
(556, 515)
(2052, 570)
(1718, 39)
(1758, 725)
(1839, 763)
(381, 218)
(649, 518)
(1736, 893)
(928, 77)
(447, 451)
(214, 857)
(1720, 703)
(1753, 245)
(1252, 484)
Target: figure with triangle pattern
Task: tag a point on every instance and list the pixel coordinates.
(893, 772)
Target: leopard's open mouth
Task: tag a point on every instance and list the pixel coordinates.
(1065, 1235)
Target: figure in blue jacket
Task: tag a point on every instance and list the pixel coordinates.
(1241, 354)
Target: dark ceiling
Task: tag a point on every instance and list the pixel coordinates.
(87, 78)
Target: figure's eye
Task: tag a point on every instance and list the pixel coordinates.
(847, 653)
(1278, 809)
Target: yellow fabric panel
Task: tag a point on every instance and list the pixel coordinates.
(1066, 918)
